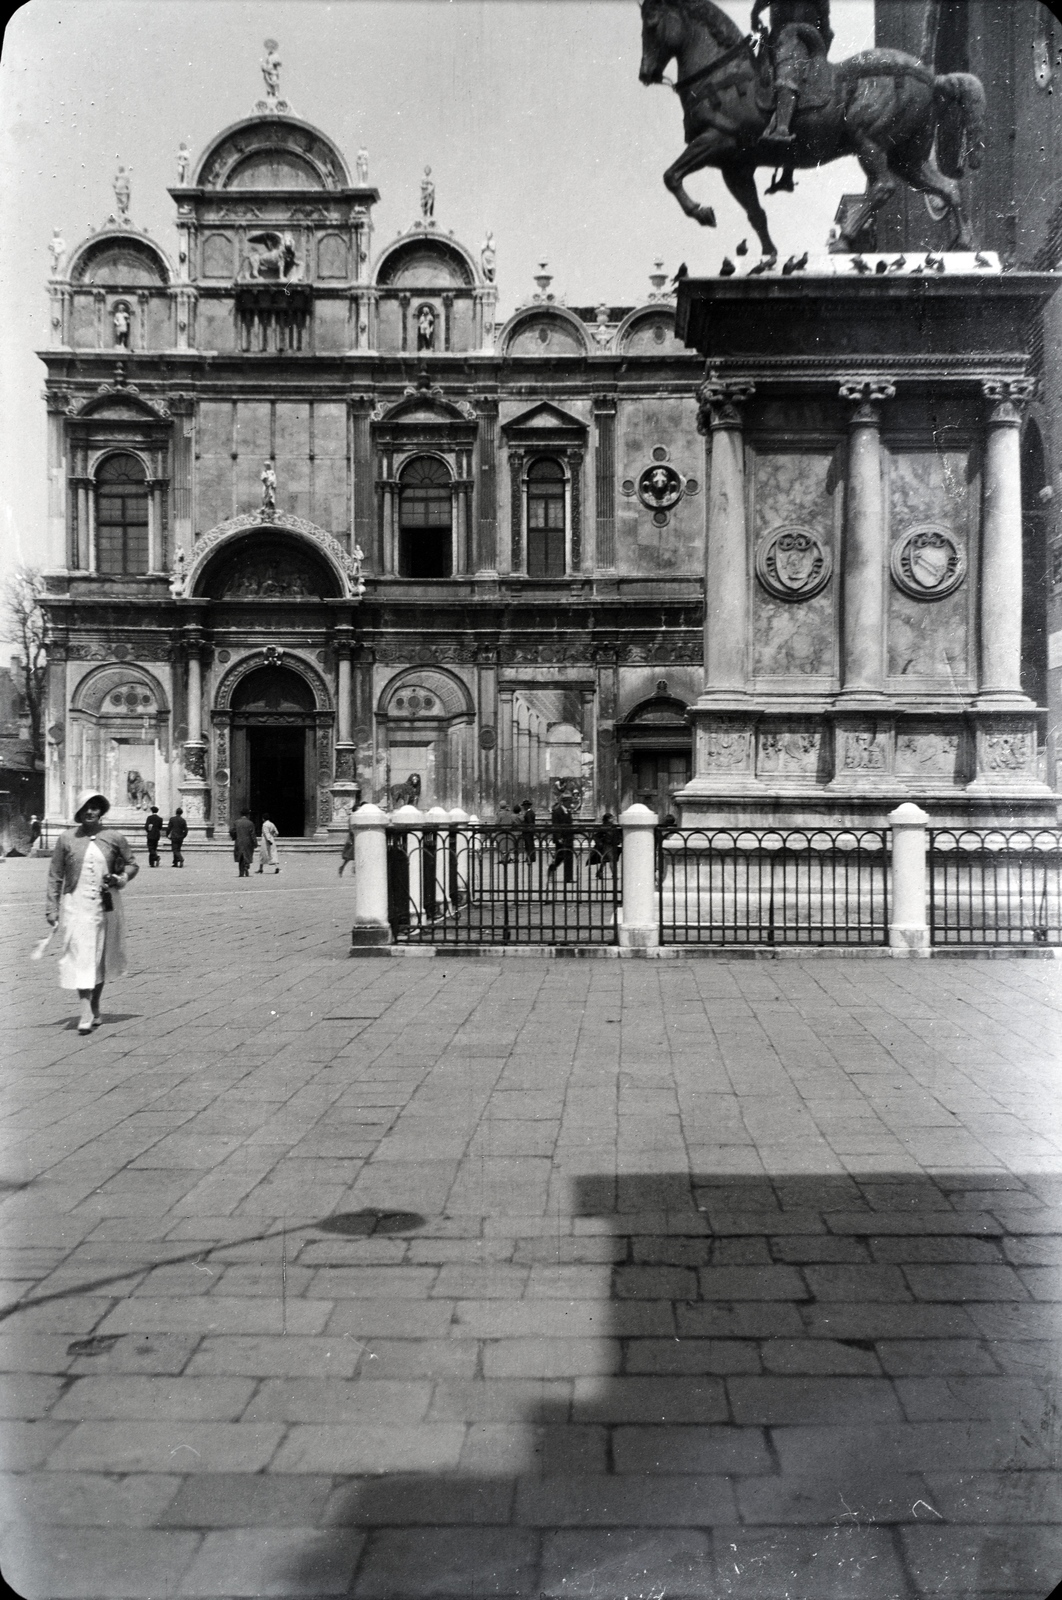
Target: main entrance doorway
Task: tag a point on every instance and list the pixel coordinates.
(274, 750)
(276, 773)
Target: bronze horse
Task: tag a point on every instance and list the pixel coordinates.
(882, 106)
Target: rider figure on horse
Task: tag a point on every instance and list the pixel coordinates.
(791, 53)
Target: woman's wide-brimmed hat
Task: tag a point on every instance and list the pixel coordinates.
(85, 797)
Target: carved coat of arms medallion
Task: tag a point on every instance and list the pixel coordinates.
(793, 563)
(928, 563)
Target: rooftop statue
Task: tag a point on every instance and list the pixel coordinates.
(122, 193)
(184, 156)
(774, 99)
(363, 166)
(57, 249)
(271, 69)
(427, 195)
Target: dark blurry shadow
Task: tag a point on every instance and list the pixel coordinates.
(801, 1388)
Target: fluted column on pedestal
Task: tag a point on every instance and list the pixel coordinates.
(863, 660)
(194, 788)
(726, 578)
(1001, 542)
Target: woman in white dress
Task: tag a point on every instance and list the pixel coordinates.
(267, 849)
(89, 865)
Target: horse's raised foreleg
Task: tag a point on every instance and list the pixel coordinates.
(881, 185)
(700, 152)
(927, 178)
(740, 179)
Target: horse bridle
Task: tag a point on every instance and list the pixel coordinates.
(713, 66)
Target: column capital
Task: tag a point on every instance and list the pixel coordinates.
(719, 402)
(866, 395)
(1007, 397)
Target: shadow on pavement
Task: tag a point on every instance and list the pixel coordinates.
(798, 1388)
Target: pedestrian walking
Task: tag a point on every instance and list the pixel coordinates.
(242, 831)
(561, 817)
(508, 834)
(605, 845)
(153, 829)
(176, 833)
(348, 845)
(267, 854)
(527, 836)
(34, 832)
(90, 866)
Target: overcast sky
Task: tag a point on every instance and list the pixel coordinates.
(529, 111)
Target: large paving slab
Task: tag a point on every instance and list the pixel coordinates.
(522, 1278)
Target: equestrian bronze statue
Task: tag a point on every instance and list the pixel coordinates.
(778, 102)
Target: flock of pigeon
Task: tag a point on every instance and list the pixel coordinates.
(930, 263)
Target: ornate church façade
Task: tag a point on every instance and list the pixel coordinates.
(331, 529)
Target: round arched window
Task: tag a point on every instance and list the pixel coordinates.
(546, 520)
(121, 516)
(425, 520)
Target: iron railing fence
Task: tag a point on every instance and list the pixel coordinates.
(995, 886)
(467, 884)
(813, 886)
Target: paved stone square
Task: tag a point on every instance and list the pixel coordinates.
(523, 1278)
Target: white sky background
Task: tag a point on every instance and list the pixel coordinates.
(529, 112)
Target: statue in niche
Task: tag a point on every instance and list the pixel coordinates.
(487, 257)
(122, 319)
(140, 792)
(362, 160)
(179, 575)
(122, 191)
(426, 328)
(269, 487)
(427, 195)
(271, 69)
(57, 250)
(183, 158)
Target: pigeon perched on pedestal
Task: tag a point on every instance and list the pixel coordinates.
(860, 265)
(981, 260)
(895, 266)
(763, 265)
(728, 268)
(743, 248)
(683, 272)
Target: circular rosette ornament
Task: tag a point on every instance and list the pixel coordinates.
(792, 563)
(927, 563)
(660, 487)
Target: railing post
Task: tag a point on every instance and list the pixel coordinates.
(459, 825)
(412, 820)
(639, 922)
(439, 820)
(909, 933)
(371, 924)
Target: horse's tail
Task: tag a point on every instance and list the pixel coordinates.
(960, 101)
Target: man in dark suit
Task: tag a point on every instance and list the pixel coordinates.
(246, 840)
(561, 816)
(153, 829)
(176, 833)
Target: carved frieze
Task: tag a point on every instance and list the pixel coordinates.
(724, 744)
(927, 755)
(789, 752)
(928, 563)
(793, 563)
(1007, 753)
(862, 750)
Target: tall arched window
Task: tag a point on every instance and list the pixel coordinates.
(546, 519)
(121, 516)
(425, 520)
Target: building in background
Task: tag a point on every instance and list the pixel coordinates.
(1015, 48)
(322, 528)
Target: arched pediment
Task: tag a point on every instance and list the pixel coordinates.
(271, 661)
(425, 405)
(119, 259)
(419, 693)
(121, 403)
(424, 261)
(543, 331)
(271, 152)
(344, 565)
(649, 331)
(120, 689)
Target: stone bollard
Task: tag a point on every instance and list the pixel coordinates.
(639, 923)
(409, 817)
(908, 928)
(371, 922)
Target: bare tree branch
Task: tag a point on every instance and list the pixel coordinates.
(24, 622)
